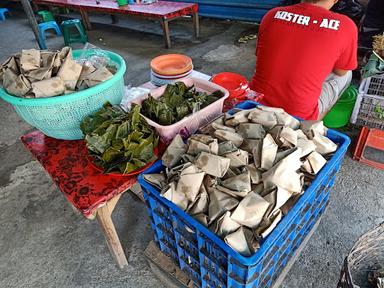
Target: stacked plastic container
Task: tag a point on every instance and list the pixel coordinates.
(205, 257)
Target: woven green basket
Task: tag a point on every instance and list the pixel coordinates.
(60, 117)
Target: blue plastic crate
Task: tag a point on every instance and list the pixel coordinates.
(212, 263)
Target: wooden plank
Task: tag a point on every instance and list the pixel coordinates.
(108, 228)
(85, 18)
(164, 268)
(32, 21)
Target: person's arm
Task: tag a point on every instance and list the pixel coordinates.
(339, 72)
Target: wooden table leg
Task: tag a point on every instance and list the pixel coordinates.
(85, 18)
(104, 214)
(196, 24)
(167, 36)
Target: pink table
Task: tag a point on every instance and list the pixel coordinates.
(164, 11)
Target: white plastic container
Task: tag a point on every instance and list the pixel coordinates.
(193, 122)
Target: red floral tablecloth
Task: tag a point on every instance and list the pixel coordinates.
(68, 165)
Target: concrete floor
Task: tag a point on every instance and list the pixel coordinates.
(44, 243)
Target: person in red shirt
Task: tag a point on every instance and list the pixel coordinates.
(305, 54)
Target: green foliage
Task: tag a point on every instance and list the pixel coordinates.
(177, 102)
(379, 112)
(119, 141)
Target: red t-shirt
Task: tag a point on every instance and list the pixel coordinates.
(298, 47)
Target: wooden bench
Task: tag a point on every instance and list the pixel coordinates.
(164, 11)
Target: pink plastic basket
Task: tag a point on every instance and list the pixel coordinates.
(193, 122)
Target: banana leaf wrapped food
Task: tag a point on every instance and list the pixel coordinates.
(177, 102)
(119, 141)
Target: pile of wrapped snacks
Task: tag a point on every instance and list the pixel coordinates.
(244, 172)
(40, 73)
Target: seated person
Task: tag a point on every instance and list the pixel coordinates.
(305, 54)
(373, 23)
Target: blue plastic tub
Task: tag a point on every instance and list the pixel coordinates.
(212, 263)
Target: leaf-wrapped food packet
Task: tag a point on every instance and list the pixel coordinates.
(284, 173)
(212, 164)
(289, 137)
(202, 218)
(237, 118)
(236, 194)
(195, 146)
(11, 64)
(39, 74)
(175, 196)
(225, 225)
(274, 110)
(187, 158)
(289, 204)
(47, 58)
(220, 203)
(281, 154)
(235, 138)
(265, 118)
(49, 87)
(17, 85)
(88, 69)
(251, 210)
(200, 206)
(251, 131)
(241, 241)
(175, 150)
(254, 173)
(230, 173)
(314, 163)
(29, 60)
(268, 153)
(257, 154)
(275, 132)
(301, 134)
(238, 158)
(287, 120)
(240, 183)
(269, 223)
(158, 180)
(100, 75)
(311, 128)
(324, 145)
(190, 182)
(209, 129)
(277, 198)
(307, 146)
(218, 126)
(226, 147)
(173, 174)
(250, 144)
